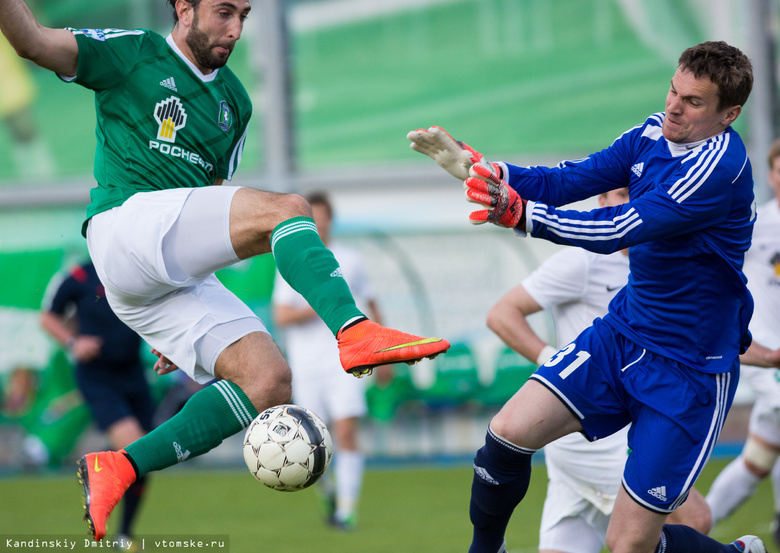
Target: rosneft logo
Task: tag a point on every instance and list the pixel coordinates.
(171, 117)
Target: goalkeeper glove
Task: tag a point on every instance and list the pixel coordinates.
(507, 208)
(454, 156)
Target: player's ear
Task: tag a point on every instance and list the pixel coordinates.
(731, 115)
(185, 11)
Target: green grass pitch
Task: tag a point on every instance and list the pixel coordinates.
(402, 510)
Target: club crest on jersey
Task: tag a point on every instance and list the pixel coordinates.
(171, 117)
(225, 120)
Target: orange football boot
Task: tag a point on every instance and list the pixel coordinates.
(105, 477)
(367, 344)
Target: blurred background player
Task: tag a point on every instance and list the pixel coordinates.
(584, 477)
(317, 383)
(17, 93)
(741, 477)
(108, 366)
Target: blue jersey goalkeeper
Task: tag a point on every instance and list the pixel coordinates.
(666, 356)
(689, 223)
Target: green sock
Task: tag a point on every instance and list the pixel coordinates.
(211, 415)
(310, 268)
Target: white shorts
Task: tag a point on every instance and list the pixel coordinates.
(571, 524)
(190, 319)
(333, 394)
(765, 415)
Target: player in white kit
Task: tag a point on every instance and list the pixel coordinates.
(313, 355)
(739, 480)
(584, 477)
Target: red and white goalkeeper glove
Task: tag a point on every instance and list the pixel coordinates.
(485, 187)
(454, 156)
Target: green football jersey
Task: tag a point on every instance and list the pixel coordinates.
(161, 123)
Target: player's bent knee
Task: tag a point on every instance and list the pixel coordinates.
(759, 457)
(694, 512)
(277, 207)
(255, 364)
(271, 385)
(500, 425)
(296, 206)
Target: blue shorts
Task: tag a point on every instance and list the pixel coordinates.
(676, 412)
(112, 396)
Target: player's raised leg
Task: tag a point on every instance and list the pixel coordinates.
(282, 223)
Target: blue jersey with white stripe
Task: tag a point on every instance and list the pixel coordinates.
(688, 222)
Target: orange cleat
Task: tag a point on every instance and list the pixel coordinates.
(105, 477)
(367, 344)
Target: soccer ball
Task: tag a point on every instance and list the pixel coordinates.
(287, 448)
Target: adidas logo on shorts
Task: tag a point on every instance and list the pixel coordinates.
(337, 273)
(659, 492)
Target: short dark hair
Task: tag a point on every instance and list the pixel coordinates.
(320, 198)
(172, 3)
(726, 66)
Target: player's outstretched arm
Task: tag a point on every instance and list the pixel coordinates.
(505, 206)
(54, 49)
(452, 155)
(758, 355)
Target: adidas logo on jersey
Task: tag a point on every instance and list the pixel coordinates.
(637, 168)
(337, 273)
(170, 84)
(659, 492)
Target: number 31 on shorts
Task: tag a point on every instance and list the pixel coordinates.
(579, 359)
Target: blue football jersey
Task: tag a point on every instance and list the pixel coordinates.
(688, 223)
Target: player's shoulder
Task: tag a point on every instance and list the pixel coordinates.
(730, 142)
(650, 129)
(115, 36)
(233, 82)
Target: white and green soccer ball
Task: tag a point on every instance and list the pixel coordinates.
(287, 448)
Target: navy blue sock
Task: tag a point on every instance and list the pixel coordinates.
(132, 500)
(676, 538)
(501, 475)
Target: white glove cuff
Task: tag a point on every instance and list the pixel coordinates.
(546, 354)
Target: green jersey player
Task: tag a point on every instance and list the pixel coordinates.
(171, 122)
(162, 123)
